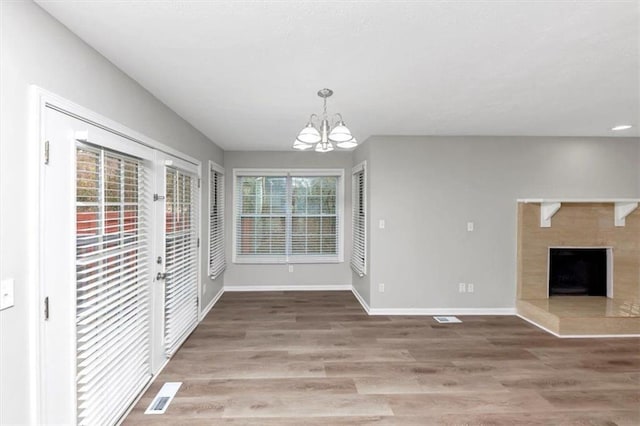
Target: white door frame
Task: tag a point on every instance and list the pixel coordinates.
(40, 99)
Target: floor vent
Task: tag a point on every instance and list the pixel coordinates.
(162, 400)
(447, 320)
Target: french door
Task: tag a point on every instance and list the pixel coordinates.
(180, 245)
(119, 272)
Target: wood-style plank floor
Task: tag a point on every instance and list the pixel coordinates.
(316, 358)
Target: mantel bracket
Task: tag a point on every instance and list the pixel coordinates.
(622, 210)
(547, 210)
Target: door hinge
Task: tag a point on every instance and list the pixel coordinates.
(46, 308)
(157, 197)
(198, 242)
(46, 152)
(198, 182)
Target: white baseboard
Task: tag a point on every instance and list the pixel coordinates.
(538, 325)
(364, 304)
(430, 311)
(320, 287)
(210, 305)
(442, 311)
(596, 336)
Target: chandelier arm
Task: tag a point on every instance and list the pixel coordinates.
(312, 116)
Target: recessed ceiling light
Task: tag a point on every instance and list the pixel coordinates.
(621, 127)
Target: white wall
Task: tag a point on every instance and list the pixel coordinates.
(36, 49)
(428, 188)
(303, 274)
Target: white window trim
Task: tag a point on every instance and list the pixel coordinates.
(291, 172)
(216, 168)
(361, 167)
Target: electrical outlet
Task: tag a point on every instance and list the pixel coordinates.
(290, 268)
(462, 288)
(381, 287)
(470, 226)
(381, 224)
(470, 288)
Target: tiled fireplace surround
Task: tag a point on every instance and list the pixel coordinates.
(579, 224)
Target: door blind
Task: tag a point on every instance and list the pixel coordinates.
(359, 216)
(181, 254)
(217, 261)
(112, 283)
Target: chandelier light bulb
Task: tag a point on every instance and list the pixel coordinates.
(324, 147)
(302, 146)
(309, 134)
(340, 133)
(348, 144)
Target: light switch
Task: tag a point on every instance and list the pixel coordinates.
(470, 226)
(381, 224)
(6, 293)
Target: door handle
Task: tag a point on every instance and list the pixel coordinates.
(161, 276)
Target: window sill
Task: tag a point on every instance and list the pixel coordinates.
(297, 261)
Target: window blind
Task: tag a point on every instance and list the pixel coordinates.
(287, 218)
(314, 217)
(217, 262)
(261, 224)
(359, 217)
(181, 257)
(112, 280)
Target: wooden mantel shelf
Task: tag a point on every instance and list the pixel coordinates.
(549, 206)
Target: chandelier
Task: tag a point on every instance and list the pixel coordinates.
(318, 132)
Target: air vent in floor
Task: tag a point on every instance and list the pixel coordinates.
(162, 400)
(448, 320)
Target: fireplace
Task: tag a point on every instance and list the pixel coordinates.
(579, 271)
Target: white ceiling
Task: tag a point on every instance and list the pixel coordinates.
(246, 73)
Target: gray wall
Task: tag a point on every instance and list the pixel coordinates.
(36, 49)
(303, 274)
(428, 188)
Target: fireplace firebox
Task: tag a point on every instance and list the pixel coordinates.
(578, 271)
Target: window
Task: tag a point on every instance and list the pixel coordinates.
(217, 261)
(359, 216)
(290, 216)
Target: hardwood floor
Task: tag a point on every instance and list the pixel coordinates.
(316, 358)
